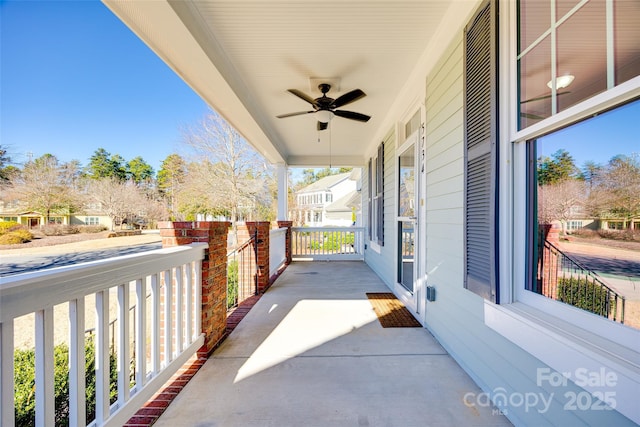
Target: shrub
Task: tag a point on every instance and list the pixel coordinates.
(585, 294)
(59, 229)
(25, 235)
(624, 235)
(10, 239)
(585, 233)
(24, 365)
(232, 283)
(7, 226)
(92, 228)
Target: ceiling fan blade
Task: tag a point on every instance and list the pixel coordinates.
(540, 98)
(303, 96)
(348, 97)
(299, 113)
(322, 126)
(352, 115)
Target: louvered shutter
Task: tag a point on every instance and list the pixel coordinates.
(380, 190)
(480, 143)
(370, 204)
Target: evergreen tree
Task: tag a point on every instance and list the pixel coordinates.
(103, 165)
(139, 171)
(558, 168)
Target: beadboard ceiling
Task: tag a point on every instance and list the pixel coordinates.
(241, 56)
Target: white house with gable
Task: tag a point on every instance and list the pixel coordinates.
(326, 201)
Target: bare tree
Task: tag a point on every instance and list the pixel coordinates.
(230, 174)
(47, 186)
(561, 201)
(117, 199)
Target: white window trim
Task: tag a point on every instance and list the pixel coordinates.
(559, 335)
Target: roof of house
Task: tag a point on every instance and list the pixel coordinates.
(345, 203)
(325, 183)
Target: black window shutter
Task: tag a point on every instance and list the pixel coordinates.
(380, 190)
(480, 151)
(370, 194)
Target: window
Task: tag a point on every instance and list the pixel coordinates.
(92, 220)
(591, 166)
(376, 197)
(578, 67)
(573, 51)
(480, 139)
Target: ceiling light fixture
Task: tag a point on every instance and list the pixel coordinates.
(561, 81)
(324, 116)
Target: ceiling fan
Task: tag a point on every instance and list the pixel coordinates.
(325, 107)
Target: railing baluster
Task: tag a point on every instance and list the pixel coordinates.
(197, 286)
(7, 401)
(45, 405)
(168, 306)
(102, 356)
(141, 333)
(178, 311)
(123, 354)
(155, 324)
(77, 371)
(188, 289)
(113, 337)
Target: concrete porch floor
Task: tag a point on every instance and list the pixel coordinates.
(311, 352)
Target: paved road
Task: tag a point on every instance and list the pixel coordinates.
(22, 263)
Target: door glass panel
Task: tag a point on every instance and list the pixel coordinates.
(406, 214)
(406, 235)
(406, 189)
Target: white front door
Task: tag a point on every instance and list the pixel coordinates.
(408, 287)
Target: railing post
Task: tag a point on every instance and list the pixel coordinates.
(260, 229)
(214, 270)
(287, 241)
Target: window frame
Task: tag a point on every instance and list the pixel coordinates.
(559, 335)
(376, 198)
(526, 310)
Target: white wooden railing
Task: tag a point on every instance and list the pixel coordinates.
(327, 243)
(151, 281)
(277, 249)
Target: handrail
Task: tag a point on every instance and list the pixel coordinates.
(172, 276)
(554, 272)
(277, 249)
(241, 273)
(327, 243)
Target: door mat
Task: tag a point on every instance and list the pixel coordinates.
(390, 311)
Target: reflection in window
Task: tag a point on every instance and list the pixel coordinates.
(406, 187)
(585, 215)
(572, 52)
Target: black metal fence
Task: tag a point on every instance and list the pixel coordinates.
(564, 279)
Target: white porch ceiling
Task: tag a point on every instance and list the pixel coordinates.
(241, 56)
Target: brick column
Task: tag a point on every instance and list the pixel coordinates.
(550, 266)
(261, 249)
(287, 225)
(214, 270)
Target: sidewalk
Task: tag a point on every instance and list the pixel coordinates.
(87, 245)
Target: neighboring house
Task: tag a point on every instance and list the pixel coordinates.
(328, 201)
(15, 211)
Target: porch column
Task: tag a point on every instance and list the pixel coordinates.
(261, 229)
(214, 270)
(283, 191)
(287, 241)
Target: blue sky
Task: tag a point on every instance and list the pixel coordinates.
(74, 79)
(600, 138)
